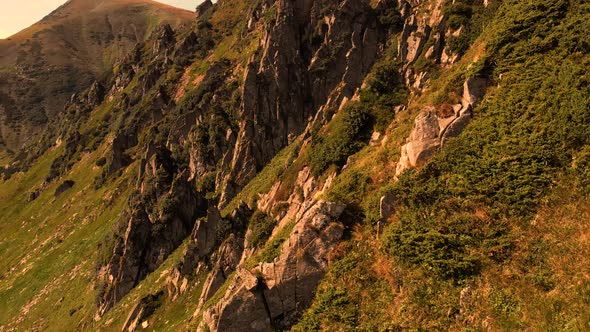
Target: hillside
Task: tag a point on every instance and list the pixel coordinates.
(78, 43)
(316, 165)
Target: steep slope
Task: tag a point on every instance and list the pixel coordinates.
(43, 65)
(308, 165)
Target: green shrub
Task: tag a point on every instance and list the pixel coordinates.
(346, 135)
(385, 91)
(458, 13)
(332, 305)
(272, 249)
(581, 168)
(206, 183)
(506, 308)
(444, 253)
(391, 19)
(473, 18)
(101, 161)
(261, 226)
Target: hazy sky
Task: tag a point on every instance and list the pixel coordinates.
(16, 15)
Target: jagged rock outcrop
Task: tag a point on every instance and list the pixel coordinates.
(158, 218)
(274, 295)
(118, 158)
(205, 252)
(290, 82)
(432, 130)
(425, 34)
(226, 260)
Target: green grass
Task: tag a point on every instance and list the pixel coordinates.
(272, 249)
(49, 246)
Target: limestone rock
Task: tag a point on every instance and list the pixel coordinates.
(431, 131)
(285, 287)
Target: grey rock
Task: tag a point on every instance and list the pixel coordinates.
(277, 293)
(159, 216)
(66, 185)
(474, 89)
(283, 89)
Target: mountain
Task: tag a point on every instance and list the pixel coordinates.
(314, 165)
(64, 53)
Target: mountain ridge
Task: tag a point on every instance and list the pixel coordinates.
(78, 42)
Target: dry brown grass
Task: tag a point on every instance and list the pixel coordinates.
(546, 284)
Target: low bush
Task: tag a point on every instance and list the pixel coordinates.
(443, 252)
(261, 227)
(346, 135)
(272, 249)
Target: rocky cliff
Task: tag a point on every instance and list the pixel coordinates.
(313, 165)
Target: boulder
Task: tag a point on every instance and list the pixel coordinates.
(474, 89)
(431, 131)
(423, 141)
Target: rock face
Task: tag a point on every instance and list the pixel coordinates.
(144, 308)
(159, 217)
(290, 82)
(225, 261)
(275, 294)
(432, 130)
(205, 252)
(425, 33)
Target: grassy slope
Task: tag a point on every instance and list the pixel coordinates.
(49, 245)
(502, 207)
(77, 23)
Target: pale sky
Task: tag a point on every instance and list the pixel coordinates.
(16, 15)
